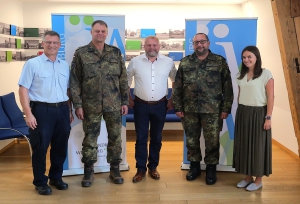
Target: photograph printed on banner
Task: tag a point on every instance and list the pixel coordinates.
(18, 56)
(31, 44)
(2, 56)
(20, 31)
(43, 30)
(6, 29)
(171, 45)
(162, 33)
(4, 42)
(132, 33)
(1, 28)
(12, 42)
(14, 56)
(28, 55)
(176, 33)
(165, 53)
(130, 55)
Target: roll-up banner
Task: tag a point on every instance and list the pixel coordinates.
(75, 31)
(228, 37)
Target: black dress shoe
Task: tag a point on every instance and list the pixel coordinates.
(59, 184)
(43, 190)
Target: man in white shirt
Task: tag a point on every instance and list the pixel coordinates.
(151, 71)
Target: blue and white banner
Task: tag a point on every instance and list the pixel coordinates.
(228, 37)
(75, 31)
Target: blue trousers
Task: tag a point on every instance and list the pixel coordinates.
(143, 115)
(53, 126)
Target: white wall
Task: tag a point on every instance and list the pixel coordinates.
(282, 124)
(10, 13)
(160, 17)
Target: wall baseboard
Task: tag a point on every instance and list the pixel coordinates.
(286, 149)
(7, 146)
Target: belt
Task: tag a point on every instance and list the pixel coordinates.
(50, 104)
(150, 102)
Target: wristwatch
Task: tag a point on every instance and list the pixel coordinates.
(268, 117)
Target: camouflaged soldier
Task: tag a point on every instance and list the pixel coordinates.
(99, 88)
(202, 98)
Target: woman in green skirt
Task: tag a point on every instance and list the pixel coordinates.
(252, 154)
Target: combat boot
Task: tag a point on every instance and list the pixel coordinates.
(194, 171)
(211, 174)
(88, 177)
(114, 173)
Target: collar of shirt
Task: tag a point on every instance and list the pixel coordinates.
(45, 58)
(92, 48)
(193, 57)
(144, 56)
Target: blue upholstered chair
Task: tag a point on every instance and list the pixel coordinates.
(170, 117)
(12, 123)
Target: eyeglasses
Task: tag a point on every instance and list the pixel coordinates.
(50, 42)
(200, 41)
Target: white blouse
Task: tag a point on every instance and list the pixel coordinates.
(253, 92)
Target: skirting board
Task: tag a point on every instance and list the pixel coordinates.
(203, 167)
(97, 169)
(5, 144)
(286, 149)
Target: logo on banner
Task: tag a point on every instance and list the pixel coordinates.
(227, 37)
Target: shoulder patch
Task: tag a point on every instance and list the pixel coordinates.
(112, 47)
(218, 56)
(80, 47)
(186, 58)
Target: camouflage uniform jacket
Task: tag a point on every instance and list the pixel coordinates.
(98, 83)
(203, 86)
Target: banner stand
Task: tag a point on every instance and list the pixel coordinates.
(228, 37)
(185, 165)
(75, 31)
(97, 169)
(73, 164)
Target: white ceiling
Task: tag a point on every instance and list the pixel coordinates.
(146, 1)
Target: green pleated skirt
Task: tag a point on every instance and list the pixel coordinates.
(252, 153)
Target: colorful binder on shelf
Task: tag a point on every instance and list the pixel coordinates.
(133, 44)
(147, 32)
(18, 43)
(13, 30)
(8, 56)
(31, 32)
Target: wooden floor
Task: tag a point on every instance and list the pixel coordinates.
(283, 186)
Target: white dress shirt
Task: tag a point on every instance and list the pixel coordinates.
(151, 79)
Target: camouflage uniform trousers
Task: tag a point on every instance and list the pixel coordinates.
(91, 127)
(210, 123)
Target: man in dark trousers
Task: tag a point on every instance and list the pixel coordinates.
(150, 71)
(44, 96)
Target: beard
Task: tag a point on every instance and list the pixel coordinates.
(201, 53)
(152, 53)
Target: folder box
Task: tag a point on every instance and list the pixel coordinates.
(176, 56)
(133, 44)
(147, 32)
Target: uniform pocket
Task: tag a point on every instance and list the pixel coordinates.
(213, 75)
(189, 75)
(114, 68)
(90, 68)
(92, 80)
